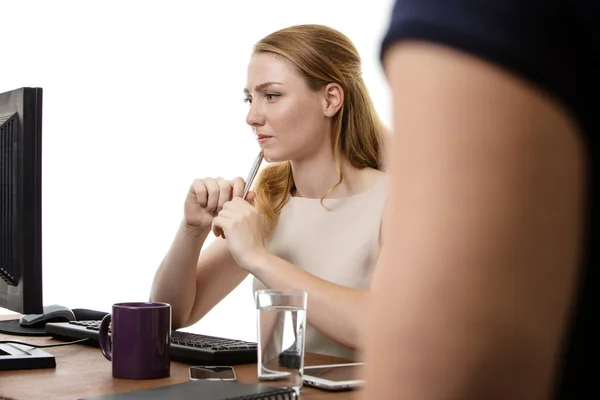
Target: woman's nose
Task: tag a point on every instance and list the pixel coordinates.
(255, 117)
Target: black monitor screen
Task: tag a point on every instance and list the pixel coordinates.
(20, 200)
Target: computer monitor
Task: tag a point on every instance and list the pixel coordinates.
(21, 200)
(21, 224)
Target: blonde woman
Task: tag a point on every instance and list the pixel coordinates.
(314, 219)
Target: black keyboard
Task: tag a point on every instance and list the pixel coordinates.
(186, 347)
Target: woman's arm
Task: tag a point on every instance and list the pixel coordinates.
(334, 310)
(193, 282)
(479, 263)
(192, 279)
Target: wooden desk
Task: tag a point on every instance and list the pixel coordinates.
(82, 371)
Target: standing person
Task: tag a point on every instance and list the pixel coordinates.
(488, 276)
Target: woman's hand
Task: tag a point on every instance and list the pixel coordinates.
(244, 227)
(205, 200)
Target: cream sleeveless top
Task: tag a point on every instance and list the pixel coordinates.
(339, 244)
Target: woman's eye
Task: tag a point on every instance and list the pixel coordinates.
(271, 96)
(247, 100)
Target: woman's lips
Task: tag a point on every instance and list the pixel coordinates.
(263, 138)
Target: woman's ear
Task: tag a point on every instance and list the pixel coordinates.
(333, 100)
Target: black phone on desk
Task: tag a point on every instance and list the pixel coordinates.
(212, 373)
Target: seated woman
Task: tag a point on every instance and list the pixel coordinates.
(314, 221)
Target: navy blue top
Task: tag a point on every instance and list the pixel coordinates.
(555, 45)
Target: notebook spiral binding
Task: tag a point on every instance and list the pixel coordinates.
(281, 394)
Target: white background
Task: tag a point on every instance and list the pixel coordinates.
(140, 98)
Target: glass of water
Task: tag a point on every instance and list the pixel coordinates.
(281, 323)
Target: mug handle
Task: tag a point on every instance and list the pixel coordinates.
(105, 341)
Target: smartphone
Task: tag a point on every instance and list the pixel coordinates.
(334, 376)
(212, 373)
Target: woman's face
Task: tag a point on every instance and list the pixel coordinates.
(287, 117)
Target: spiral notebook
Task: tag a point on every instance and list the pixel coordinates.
(205, 390)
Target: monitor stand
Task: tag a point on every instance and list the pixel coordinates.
(19, 356)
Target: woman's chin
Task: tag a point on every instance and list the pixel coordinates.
(272, 157)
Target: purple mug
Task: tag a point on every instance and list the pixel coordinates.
(138, 345)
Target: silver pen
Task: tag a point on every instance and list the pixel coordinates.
(253, 173)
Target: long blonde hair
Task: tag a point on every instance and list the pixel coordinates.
(323, 55)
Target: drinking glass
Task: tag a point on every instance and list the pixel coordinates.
(281, 325)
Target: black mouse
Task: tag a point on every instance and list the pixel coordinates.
(83, 314)
(53, 313)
